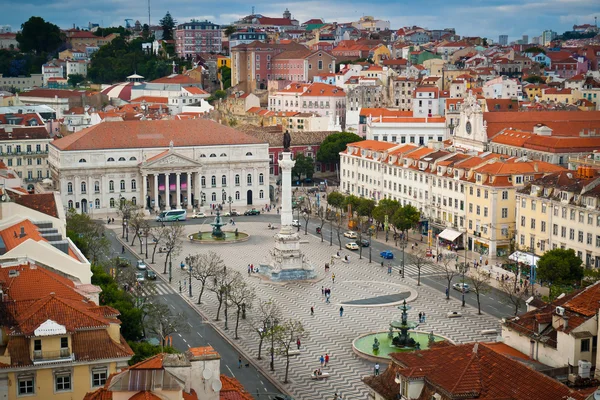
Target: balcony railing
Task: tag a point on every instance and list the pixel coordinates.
(62, 355)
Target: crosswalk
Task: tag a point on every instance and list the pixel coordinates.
(412, 270)
(156, 289)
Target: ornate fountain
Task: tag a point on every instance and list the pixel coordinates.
(403, 339)
(217, 233)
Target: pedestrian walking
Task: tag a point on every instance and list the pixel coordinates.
(420, 317)
(332, 278)
(389, 269)
(249, 271)
(412, 246)
(423, 317)
(341, 311)
(298, 343)
(326, 359)
(312, 311)
(327, 298)
(239, 362)
(376, 369)
(122, 249)
(322, 359)
(322, 290)
(179, 286)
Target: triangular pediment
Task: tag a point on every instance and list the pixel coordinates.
(170, 158)
(50, 328)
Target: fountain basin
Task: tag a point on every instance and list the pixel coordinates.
(363, 345)
(228, 237)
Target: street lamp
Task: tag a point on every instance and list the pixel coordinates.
(230, 200)
(403, 244)
(201, 199)
(370, 239)
(190, 278)
(272, 324)
(225, 289)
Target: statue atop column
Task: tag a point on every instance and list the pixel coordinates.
(287, 141)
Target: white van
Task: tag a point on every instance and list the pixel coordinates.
(172, 215)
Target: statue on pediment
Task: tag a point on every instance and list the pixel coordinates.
(287, 141)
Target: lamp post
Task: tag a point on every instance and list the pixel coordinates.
(201, 199)
(370, 239)
(403, 244)
(464, 267)
(170, 268)
(298, 209)
(230, 200)
(272, 325)
(225, 289)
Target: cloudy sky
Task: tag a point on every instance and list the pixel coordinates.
(488, 18)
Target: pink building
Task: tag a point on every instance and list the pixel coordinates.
(301, 65)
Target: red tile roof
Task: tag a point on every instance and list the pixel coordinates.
(176, 79)
(151, 99)
(42, 202)
(51, 93)
(232, 389)
(153, 134)
(194, 90)
(562, 123)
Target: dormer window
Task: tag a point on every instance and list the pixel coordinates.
(478, 177)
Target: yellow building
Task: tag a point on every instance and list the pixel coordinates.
(223, 61)
(491, 199)
(534, 90)
(56, 342)
(381, 53)
(565, 96)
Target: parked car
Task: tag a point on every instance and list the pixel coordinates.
(234, 213)
(308, 180)
(139, 276)
(141, 265)
(351, 246)
(350, 235)
(198, 214)
(122, 262)
(363, 242)
(295, 223)
(388, 255)
(454, 314)
(150, 275)
(252, 212)
(460, 286)
(313, 190)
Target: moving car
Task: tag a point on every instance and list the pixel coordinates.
(139, 276)
(150, 275)
(141, 265)
(351, 246)
(252, 212)
(388, 255)
(363, 242)
(172, 215)
(295, 223)
(461, 286)
(198, 214)
(350, 235)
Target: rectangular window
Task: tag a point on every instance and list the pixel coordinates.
(543, 226)
(99, 376)
(26, 386)
(585, 345)
(505, 213)
(37, 345)
(580, 236)
(572, 234)
(505, 195)
(63, 382)
(64, 342)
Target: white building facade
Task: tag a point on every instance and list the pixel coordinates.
(160, 165)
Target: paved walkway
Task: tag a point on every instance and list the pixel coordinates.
(330, 333)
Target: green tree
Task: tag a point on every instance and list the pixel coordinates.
(146, 31)
(144, 350)
(39, 36)
(535, 79)
(304, 166)
(406, 217)
(336, 200)
(365, 207)
(87, 235)
(225, 77)
(75, 79)
(168, 25)
(535, 50)
(560, 266)
(229, 30)
(103, 32)
(220, 94)
(385, 207)
(329, 151)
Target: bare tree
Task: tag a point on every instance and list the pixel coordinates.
(163, 324)
(135, 223)
(322, 214)
(514, 296)
(306, 211)
(158, 236)
(242, 297)
(449, 270)
(479, 281)
(338, 228)
(203, 267)
(221, 285)
(285, 337)
(173, 236)
(420, 259)
(267, 313)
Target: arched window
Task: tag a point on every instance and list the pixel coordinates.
(237, 195)
(122, 185)
(213, 155)
(110, 159)
(122, 159)
(203, 181)
(70, 188)
(224, 180)
(202, 155)
(111, 186)
(133, 201)
(261, 179)
(97, 187)
(213, 181)
(224, 196)
(261, 194)
(223, 155)
(132, 159)
(112, 202)
(83, 187)
(213, 196)
(237, 180)
(97, 203)
(248, 154)
(82, 160)
(133, 185)
(249, 179)
(70, 204)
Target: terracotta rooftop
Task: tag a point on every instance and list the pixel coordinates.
(153, 134)
(372, 145)
(176, 79)
(52, 93)
(42, 202)
(562, 123)
(24, 133)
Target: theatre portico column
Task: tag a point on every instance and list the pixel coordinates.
(167, 199)
(188, 185)
(178, 189)
(144, 192)
(156, 205)
(197, 191)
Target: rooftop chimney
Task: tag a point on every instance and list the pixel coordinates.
(22, 234)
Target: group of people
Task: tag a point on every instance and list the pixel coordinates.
(421, 317)
(326, 292)
(252, 269)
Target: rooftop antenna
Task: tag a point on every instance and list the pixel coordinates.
(148, 14)
(252, 10)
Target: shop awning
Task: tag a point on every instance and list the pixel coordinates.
(449, 234)
(524, 258)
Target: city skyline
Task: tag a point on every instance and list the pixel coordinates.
(490, 19)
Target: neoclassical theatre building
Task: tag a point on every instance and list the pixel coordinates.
(159, 165)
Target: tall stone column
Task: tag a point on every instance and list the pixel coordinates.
(156, 205)
(197, 189)
(178, 189)
(188, 192)
(286, 163)
(167, 200)
(144, 191)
